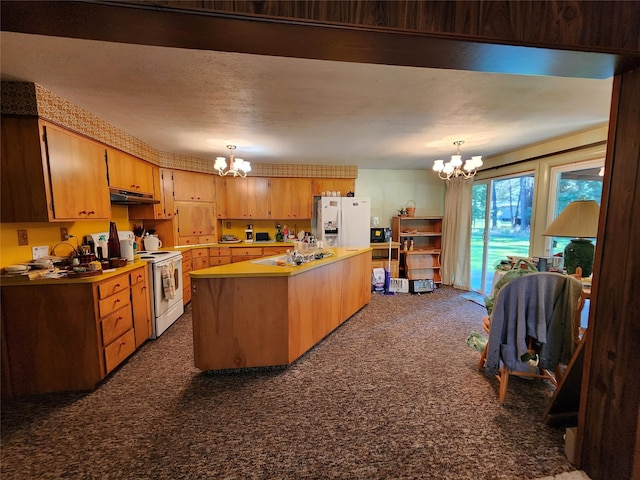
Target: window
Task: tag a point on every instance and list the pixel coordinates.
(580, 181)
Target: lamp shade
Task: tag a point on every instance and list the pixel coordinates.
(578, 220)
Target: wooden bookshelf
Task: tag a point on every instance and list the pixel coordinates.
(423, 261)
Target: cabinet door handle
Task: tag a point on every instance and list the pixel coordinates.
(83, 212)
(123, 342)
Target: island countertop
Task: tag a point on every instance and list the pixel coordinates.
(253, 268)
(249, 314)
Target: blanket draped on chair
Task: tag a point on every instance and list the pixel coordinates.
(541, 306)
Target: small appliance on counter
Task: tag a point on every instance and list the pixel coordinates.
(152, 242)
(94, 240)
(248, 233)
(262, 237)
(380, 235)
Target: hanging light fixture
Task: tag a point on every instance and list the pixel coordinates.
(454, 167)
(237, 166)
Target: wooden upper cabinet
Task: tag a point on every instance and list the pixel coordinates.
(162, 191)
(221, 196)
(196, 218)
(290, 198)
(247, 198)
(257, 197)
(193, 187)
(127, 172)
(66, 174)
(342, 185)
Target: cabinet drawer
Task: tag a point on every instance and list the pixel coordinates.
(244, 251)
(136, 277)
(190, 240)
(242, 258)
(214, 261)
(187, 267)
(206, 239)
(116, 324)
(219, 251)
(112, 286)
(114, 302)
(117, 351)
(200, 252)
(266, 251)
(200, 262)
(187, 255)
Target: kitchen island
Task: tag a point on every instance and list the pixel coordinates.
(252, 314)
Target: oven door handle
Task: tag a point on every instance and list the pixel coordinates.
(176, 277)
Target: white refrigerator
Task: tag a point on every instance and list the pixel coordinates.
(342, 221)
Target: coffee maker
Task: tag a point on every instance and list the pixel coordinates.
(248, 234)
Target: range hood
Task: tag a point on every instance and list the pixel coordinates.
(124, 197)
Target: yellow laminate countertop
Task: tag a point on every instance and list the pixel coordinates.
(8, 281)
(252, 268)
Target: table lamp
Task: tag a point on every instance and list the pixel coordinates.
(578, 221)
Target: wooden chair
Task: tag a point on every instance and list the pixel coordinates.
(560, 298)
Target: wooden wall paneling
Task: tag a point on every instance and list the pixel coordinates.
(608, 421)
(577, 23)
(458, 42)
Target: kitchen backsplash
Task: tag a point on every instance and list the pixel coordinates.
(40, 234)
(237, 227)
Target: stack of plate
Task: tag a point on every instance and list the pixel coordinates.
(16, 269)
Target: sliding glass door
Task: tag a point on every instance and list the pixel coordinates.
(501, 225)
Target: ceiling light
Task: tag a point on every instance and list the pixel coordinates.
(237, 166)
(454, 167)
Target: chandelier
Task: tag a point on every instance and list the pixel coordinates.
(237, 166)
(454, 168)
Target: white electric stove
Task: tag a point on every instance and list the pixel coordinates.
(166, 304)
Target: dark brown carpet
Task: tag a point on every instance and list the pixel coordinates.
(393, 393)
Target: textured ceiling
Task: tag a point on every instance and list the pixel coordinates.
(287, 110)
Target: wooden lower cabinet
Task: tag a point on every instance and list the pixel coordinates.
(141, 305)
(242, 254)
(287, 315)
(200, 258)
(219, 256)
(67, 336)
(187, 266)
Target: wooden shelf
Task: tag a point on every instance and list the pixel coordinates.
(423, 261)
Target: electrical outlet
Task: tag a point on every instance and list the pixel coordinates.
(228, 224)
(64, 233)
(23, 238)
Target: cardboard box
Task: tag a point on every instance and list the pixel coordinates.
(384, 263)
